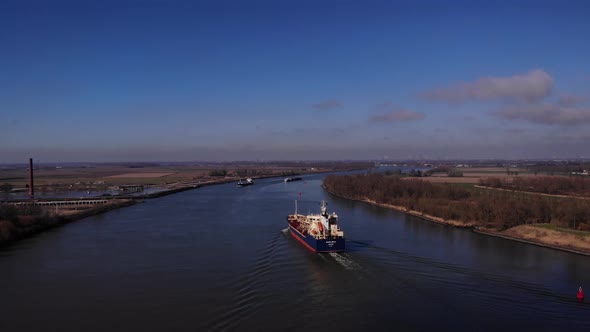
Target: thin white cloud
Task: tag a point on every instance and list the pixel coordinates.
(515, 131)
(384, 105)
(547, 114)
(570, 100)
(390, 112)
(327, 104)
(532, 86)
(397, 116)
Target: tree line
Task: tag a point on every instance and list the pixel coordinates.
(487, 208)
(561, 168)
(248, 172)
(17, 220)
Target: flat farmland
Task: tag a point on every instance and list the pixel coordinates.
(472, 175)
(446, 179)
(106, 176)
(141, 175)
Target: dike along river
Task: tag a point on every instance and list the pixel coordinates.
(219, 258)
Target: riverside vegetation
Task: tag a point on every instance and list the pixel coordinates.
(19, 221)
(16, 221)
(485, 209)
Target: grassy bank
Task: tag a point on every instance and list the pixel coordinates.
(546, 235)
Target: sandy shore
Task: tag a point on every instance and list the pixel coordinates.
(538, 235)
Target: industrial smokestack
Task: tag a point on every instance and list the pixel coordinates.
(31, 188)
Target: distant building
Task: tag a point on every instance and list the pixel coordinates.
(130, 188)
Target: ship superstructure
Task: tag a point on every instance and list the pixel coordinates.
(317, 232)
(291, 179)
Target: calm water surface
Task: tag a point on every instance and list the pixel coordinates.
(219, 258)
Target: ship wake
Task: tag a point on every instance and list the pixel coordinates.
(250, 288)
(345, 261)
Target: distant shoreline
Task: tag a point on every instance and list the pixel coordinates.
(50, 222)
(117, 202)
(568, 247)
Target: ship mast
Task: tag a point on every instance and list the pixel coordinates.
(324, 208)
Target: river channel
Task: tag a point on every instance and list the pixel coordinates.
(220, 258)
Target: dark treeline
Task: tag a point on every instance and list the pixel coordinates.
(487, 208)
(559, 168)
(6, 187)
(554, 185)
(253, 172)
(21, 221)
(218, 172)
(448, 170)
(17, 220)
(244, 172)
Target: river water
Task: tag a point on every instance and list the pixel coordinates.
(219, 258)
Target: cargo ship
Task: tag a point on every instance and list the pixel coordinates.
(248, 182)
(317, 232)
(297, 178)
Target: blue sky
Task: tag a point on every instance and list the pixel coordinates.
(264, 80)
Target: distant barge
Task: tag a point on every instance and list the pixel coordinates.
(293, 179)
(248, 182)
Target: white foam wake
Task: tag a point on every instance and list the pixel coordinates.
(346, 262)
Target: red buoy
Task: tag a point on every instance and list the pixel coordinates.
(580, 295)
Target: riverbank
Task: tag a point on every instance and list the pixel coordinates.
(180, 187)
(27, 226)
(12, 231)
(227, 180)
(543, 235)
(455, 223)
(166, 192)
(577, 242)
(107, 178)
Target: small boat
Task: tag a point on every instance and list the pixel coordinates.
(248, 182)
(297, 178)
